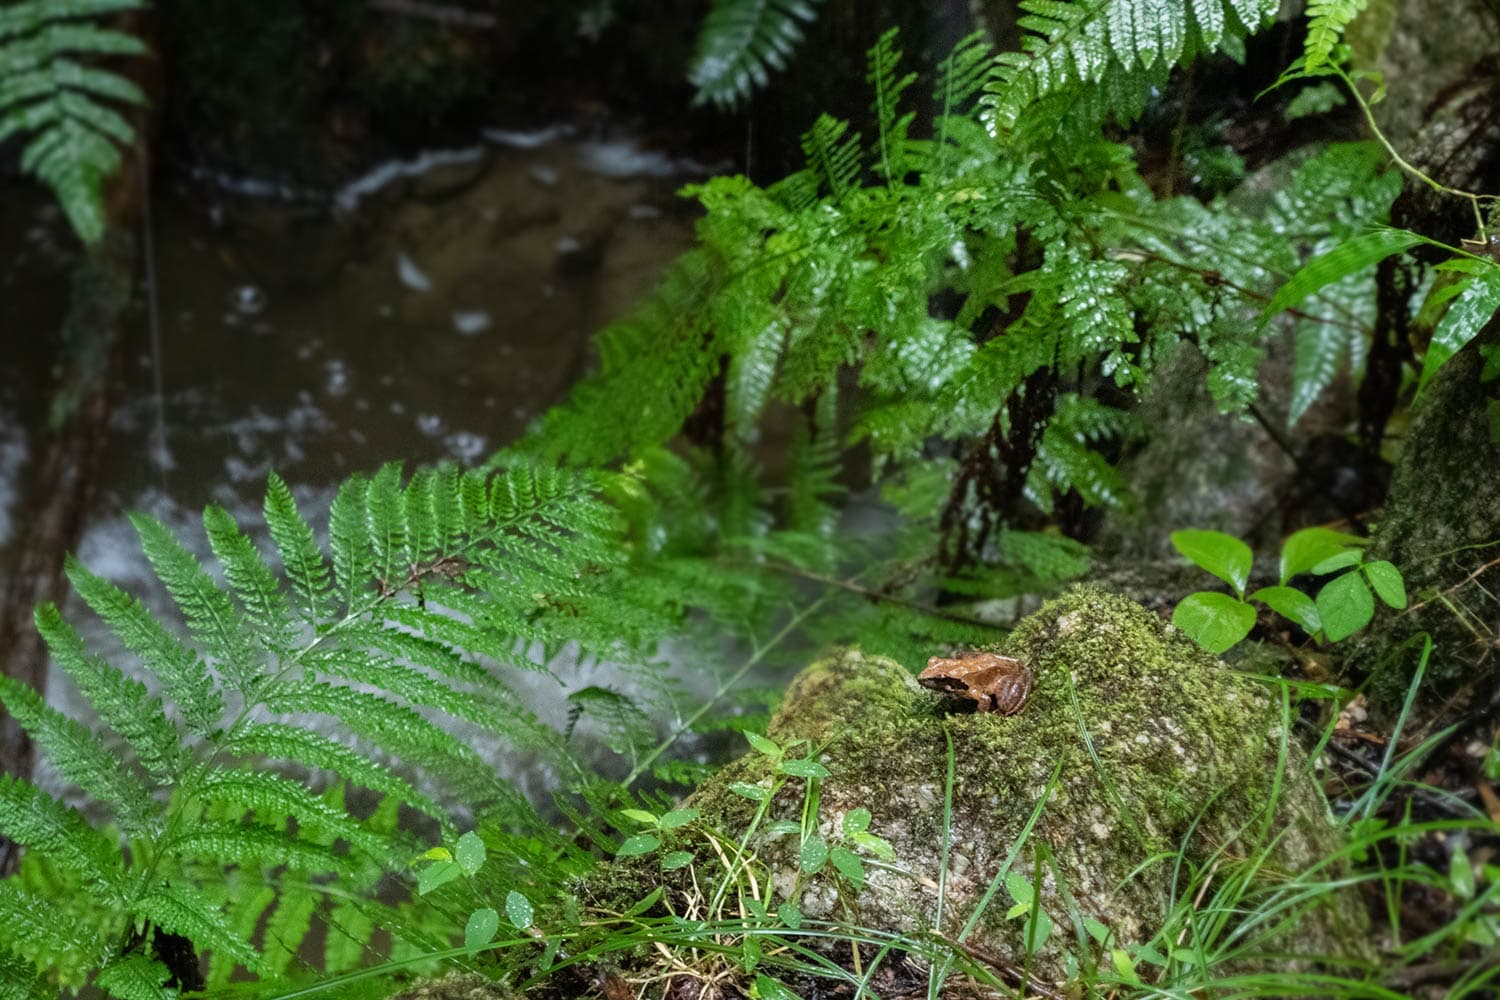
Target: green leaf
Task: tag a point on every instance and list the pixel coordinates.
(763, 744)
(849, 865)
(738, 41)
(644, 903)
(1348, 258)
(134, 977)
(1307, 548)
(1291, 604)
(436, 874)
(1474, 307)
(803, 768)
(1225, 556)
(813, 855)
(469, 853)
(1214, 621)
(790, 914)
(1387, 581)
(480, 930)
(1334, 563)
(878, 846)
(856, 821)
(678, 818)
(770, 989)
(641, 843)
(673, 860)
(1461, 872)
(640, 816)
(1345, 606)
(518, 910)
(756, 793)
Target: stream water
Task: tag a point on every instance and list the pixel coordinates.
(426, 311)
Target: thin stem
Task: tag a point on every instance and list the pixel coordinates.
(724, 688)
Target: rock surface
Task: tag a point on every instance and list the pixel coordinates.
(1133, 743)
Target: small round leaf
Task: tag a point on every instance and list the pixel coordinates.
(856, 821)
(814, 854)
(803, 768)
(678, 817)
(469, 853)
(480, 930)
(518, 910)
(641, 843)
(1387, 581)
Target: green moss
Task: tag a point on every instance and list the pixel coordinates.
(1158, 749)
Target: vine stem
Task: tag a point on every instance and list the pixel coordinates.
(1406, 165)
(728, 685)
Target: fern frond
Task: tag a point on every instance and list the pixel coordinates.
(245, 900)
(183, 675)
(34, 819)
(752, 368)
(738, 40)
(962, 74)
(279, 741)
(1066, 461)
(208, 611)
(654, 365)
(275, 795)
(1326, 21)
(19, 980)
(179, 909)
(350, 928)
(833, 156)
(306, 569)
(66, 948)
(285, 928)
(387, 528)
(1072, 42)
(136, 977)
(246, 844)
(891, 125)
(51, 92)
(79, 756)
(347, 539)
(260, 597)
(384, 723)
(123, 703)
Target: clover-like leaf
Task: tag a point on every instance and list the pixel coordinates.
(803, 768)
(1292, 604)
(1345, 606)
(813, 855)
(1387, 581)
(641, 843)
(470, 853)
(1225, 556)
(1214, 621)
(436, 874)
(1311, 546)
(518, 910)
(678, 817)
(480, 930)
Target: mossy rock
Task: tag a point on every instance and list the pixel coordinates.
(1155, 744)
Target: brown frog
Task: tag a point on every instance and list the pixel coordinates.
(998, 683)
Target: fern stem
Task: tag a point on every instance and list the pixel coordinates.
(876, 595)
(724, 688)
